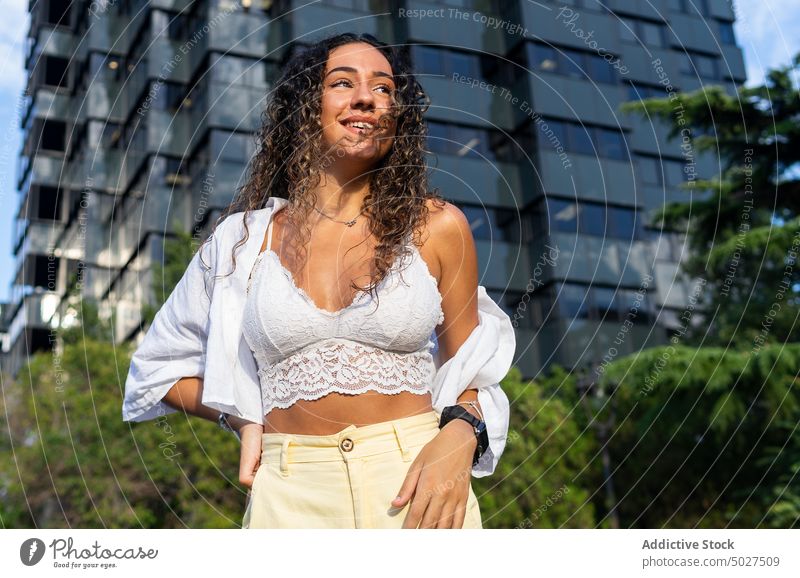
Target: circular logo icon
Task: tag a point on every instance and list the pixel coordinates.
(31, 551)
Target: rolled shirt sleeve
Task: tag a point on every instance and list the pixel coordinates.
(174, 346)
(481, 362)
(197, 333)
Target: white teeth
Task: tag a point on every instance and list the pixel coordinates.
(359, 124)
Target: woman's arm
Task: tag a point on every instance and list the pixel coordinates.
(186, 396)
(438, 480)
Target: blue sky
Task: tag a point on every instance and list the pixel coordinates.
(767, 30)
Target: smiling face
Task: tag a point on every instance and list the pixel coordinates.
(357, 90)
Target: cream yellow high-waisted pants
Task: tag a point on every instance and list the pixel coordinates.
(343, 480)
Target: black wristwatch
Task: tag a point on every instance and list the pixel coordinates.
(452, 412)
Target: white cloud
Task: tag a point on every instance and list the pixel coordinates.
(13, 33)
(769, 33)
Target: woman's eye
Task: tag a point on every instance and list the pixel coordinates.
(387, 89)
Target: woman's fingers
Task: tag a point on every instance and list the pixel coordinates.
(432, 513)
(447, 517)
(247, 473)
(409, 485)
(460, 514)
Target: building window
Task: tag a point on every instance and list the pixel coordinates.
(563, 215)
(622, 223)
(102, 135)
(590, 218)
(636, 306)
(54, 134)
(57, 12)
(702, 65)
(545, 58)
(568, 62)
(611, 143)
(579, 139)
(471, 142)
(45, 273)
(239, 70)
(572, 301)
(603, 304)
(49, 203)
(639, 91)
(637, 31)
(176, 172)
(494, 223)
(726, 34)
(445, 62)
(56, 71)
(597, 303)
(435, 61)
(538, 306)
(661, 172)
(589, 140)
(172, 25)
(165, 96)
(689, 6)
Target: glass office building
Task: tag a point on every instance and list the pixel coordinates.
(139, 120)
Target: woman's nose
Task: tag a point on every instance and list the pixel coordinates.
(362, 94)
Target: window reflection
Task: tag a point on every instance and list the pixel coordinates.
(589, 140)
(473, 142)
(494, 223)
(590, 218)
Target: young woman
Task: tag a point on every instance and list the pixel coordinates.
(306, 323)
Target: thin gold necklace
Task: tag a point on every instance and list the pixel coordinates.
(349, 223)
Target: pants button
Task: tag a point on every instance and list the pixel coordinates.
(346, 444)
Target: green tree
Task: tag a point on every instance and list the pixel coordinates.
(701, 432)
(74, 463)
(544, 475)
(744, 231)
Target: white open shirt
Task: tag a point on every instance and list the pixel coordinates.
(198, 333)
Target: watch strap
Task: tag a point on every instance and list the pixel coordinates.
(452, 412)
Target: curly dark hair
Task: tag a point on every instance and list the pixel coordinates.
(290, 154)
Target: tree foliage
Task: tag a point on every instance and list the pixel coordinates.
(75, 464)
(699, 441)
(743, 234)
(545, 476)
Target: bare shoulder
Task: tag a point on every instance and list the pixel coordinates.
(447, 229)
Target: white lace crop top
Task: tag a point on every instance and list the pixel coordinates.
(305, 352)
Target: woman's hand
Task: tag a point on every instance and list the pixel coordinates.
(250, 453)
(439, 479)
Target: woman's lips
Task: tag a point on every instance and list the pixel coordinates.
(354, 129)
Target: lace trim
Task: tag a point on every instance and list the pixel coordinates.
(307, 298)
(344, 367)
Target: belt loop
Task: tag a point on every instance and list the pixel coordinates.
(285, 455)
(401, 441)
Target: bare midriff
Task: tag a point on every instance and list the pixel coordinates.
(335, 411)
